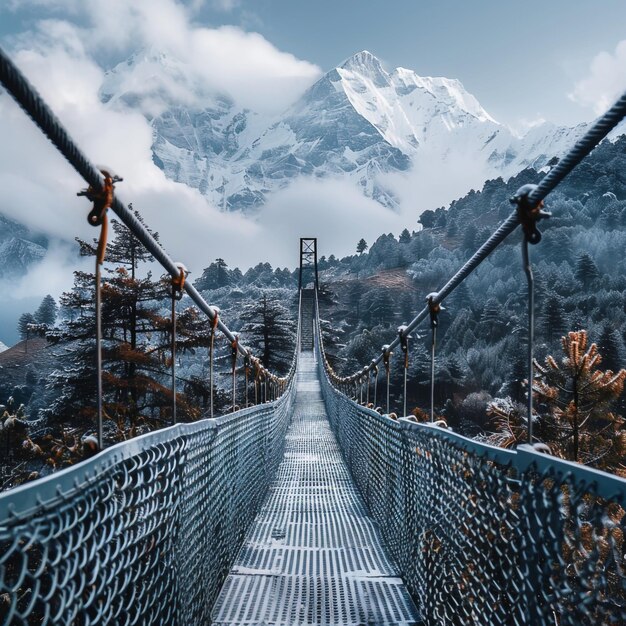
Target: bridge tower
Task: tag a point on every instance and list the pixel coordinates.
(308, 262)
(308, 276)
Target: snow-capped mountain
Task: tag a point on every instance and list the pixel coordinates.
(358, 121)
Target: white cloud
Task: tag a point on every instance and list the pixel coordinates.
(524, 124)
(605, 81)
(248, 67)
(332, 210)
(39, 187)
(433, 182)
(227, 59)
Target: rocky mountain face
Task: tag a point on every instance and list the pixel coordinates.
(358, 121)
(19, 248)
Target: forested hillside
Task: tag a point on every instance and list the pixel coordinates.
(580, 272)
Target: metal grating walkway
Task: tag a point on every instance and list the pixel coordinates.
(312, 555)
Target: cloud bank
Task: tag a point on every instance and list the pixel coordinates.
(60, 56)
(605, 82)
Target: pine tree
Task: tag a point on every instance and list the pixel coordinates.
(125, 249)
(405, 236)
(362, 246)
(553, 318)
(215, 276)
(427, 219)
(136, 346)
(25, 320)
(610, 344)
(578, 397)
(47, 311)
(379, 307)
(492, 322)
(470, 238)
(586, 269)
(269, 330)
(354, 293)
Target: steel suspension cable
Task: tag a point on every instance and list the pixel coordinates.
(34, 105)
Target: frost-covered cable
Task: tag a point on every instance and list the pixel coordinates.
(34, 105)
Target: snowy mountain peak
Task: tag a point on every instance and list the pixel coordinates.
(365, 68)
(358, 122)
(364, 63)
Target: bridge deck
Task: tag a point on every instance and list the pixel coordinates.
(313, 556)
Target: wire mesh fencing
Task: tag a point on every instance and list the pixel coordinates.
(487, 536)
(143, 533)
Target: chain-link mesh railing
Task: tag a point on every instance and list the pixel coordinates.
(487, 536)
(145, 532)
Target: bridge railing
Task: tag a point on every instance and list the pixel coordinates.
(485, 535)
(146, 531)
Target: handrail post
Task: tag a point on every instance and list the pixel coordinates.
(235, 350)
(178, 284)
(211, 355)
(246, 368)
(173, 354)
(434, 308)
(529, 214)
(386, 356)
(404, 346)
(374, 367)
(98, 313)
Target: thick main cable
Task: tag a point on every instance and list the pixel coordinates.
(33, 104)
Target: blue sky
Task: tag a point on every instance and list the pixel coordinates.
(520, 59)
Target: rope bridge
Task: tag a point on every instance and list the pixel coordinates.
(266, 516)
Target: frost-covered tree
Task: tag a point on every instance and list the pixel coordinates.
(47, 311)
(378, 307)
(405, 236)
(586, 269)
(269, 329)
(136, 347)
(125, 249)
(553, 320)
(25, 321)
(361, 247)
(213, 277)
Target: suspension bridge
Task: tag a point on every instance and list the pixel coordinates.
(307, 507)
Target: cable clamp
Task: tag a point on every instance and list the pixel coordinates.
(215, 320)
(257, 368)
(178, 282)
(102, 200)
(403, 337)
(235, 349)
(374, 367)
(434, 308)
(386, 356)
(529, 214)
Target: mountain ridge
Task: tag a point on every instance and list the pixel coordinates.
(358, 122)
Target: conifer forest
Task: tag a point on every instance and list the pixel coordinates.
(48, 390)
